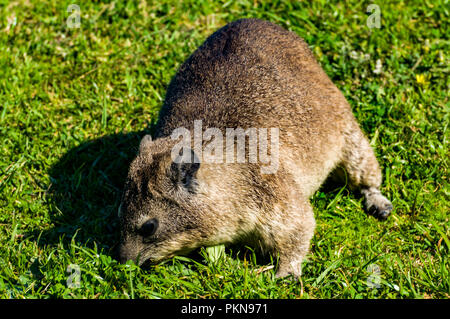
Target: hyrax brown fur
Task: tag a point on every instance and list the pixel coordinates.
(248, 74)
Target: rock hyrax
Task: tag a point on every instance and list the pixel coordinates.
(248, 74)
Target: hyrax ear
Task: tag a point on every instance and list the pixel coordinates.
(183, 169)
(146, 143)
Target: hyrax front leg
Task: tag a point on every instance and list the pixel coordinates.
(292, 236)
(364, 172)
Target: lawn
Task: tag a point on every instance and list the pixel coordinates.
(75, 101)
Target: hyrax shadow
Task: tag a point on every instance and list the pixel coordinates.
(85, 190)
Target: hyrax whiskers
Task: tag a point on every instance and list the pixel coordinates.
(249, 74)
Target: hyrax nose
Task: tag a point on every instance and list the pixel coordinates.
(126, 253)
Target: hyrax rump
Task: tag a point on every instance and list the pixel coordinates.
(248, 74)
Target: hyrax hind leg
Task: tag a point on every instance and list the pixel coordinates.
(364, 172)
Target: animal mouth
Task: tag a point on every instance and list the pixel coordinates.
(147, 261)
(146, 264)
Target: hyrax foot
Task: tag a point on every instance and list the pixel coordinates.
(376, 204)
(292, 268)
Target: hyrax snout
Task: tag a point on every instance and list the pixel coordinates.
(250, 128)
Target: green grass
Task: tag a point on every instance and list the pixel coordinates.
(75, 102)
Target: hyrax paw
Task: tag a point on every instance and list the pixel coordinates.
(376, 204)
(294, 269)
(380, 212)
(282, 274)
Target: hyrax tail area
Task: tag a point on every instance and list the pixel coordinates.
(364, 172)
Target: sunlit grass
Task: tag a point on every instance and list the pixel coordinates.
(75, 102)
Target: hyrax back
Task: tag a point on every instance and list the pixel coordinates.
(249, 74)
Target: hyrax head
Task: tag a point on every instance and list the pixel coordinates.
(159, 216)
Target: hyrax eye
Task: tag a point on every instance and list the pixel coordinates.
(149, 227)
